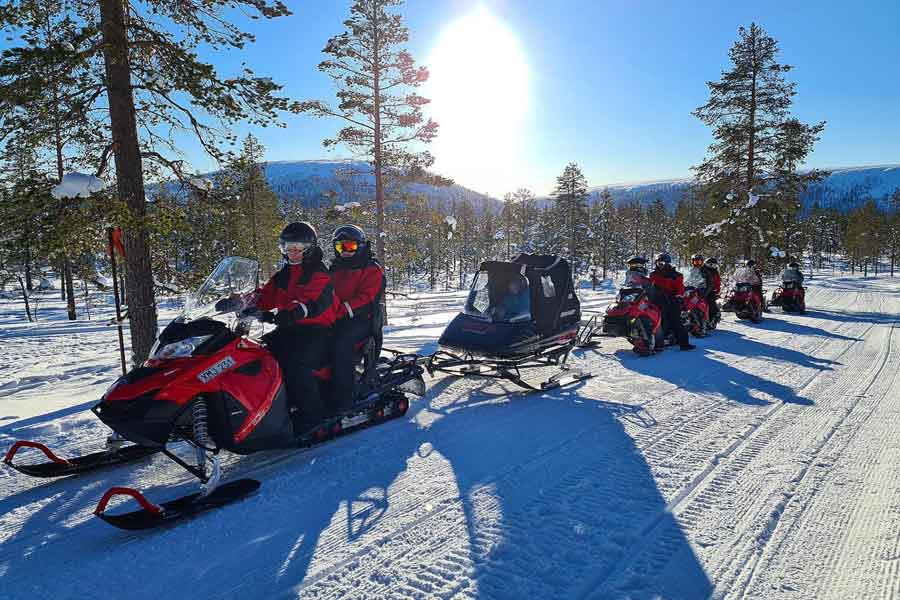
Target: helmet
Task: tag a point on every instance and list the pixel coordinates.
(749, 263)
(636, 260)
(697, 260)
(793, 265)
(298, 233)
(713, 262)
(663, 257)
(349, 232)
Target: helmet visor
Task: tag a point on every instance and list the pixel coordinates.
(346, 246)
(288, 247)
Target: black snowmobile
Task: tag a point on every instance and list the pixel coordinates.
(519, 315)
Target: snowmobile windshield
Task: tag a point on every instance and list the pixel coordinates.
(500, 297)
(694, 279)
(745, 275)
(234, 275)
(635, 279)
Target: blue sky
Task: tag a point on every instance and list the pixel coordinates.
(609, 84)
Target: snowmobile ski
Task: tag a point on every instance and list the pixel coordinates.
(60, 467)
(155, 515)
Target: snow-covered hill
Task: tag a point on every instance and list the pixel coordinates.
(845, 188)
(323, 182)
(761, 465)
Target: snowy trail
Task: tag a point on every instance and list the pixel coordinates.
(764, 464)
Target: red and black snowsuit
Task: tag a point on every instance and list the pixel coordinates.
(667, 292)
(359, 283)
(304, 294)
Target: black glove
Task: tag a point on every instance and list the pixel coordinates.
(228, 304)
(266, 316)
(285, 318)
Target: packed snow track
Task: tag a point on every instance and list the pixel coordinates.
(764, 464)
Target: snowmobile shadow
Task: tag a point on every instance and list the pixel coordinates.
(770, 324)
(44, 420)
(852, 317)
(725, 379)
(553, 481)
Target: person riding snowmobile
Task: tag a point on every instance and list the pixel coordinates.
(710, 270)
(667, 293)
(792, 274)
(304, 297)
(636, 275)
(359, 284)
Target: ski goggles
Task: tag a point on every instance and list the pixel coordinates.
(346, 246)
(287, 247)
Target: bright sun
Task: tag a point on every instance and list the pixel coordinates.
(479, 96)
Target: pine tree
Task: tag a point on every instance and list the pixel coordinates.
(570, 197)
(755, 139)
(375, 76)
(144, 75)
(602, 228)
(893, 227)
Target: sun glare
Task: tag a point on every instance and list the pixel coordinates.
(479, 95)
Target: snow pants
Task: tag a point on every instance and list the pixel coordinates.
(346, 333)
(711, 298)
(300, 351)
(671, 316)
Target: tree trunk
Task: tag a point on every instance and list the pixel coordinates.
(29, 285)
(70, 289)
(25, 298)
(129, 179)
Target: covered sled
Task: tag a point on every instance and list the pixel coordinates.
(520, 314)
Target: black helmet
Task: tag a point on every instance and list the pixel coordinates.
(636, 260)
(712, 262)
(749, 263)
(297, 233)
(793, 265)
(349, 232)
(663, 257)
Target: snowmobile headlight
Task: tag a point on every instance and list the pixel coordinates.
(181, 348)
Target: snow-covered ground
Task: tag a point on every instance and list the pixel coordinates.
(765, 464)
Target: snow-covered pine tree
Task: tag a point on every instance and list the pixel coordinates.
(526, 219)
(893, 227)
(601, 228)
(376, 76)
(747, 109)
(571, 212)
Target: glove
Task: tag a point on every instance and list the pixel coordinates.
(228, 304)
(266, 316)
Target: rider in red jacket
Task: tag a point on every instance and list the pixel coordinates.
(359, 284)
(668, 294)
(307, 307)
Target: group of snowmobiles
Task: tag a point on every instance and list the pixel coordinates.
(212, 384)
(637, 316)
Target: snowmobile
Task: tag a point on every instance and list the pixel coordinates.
(695, 313)
(744, 302)
(791, 297)
(519, 315)
(213, 385)
(636, 318)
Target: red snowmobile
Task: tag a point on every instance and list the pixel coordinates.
(212, 385)
(791, 297)
(634, 317)
(695, 313)
(744, 302)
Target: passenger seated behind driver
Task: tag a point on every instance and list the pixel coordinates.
(515, 305)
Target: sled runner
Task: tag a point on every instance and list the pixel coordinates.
(519, 315)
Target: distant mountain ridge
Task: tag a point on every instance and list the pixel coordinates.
(845, 188)
(328, 182)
